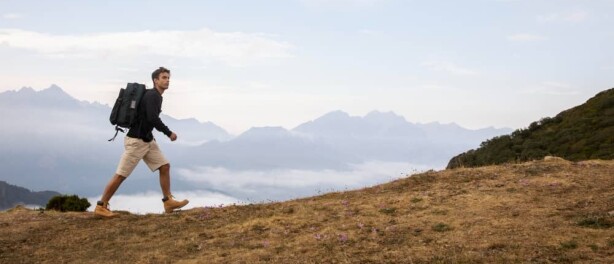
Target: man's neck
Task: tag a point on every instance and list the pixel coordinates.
(161, 91)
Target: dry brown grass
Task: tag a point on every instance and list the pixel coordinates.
(538, 212)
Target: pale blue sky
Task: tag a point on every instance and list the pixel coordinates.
(240, 64)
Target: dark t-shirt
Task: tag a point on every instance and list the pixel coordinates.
(149, 117)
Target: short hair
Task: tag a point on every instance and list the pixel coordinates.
(156, 73)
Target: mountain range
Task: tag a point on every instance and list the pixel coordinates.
(11, 195)
(53, 141)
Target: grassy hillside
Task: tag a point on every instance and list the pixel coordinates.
(549, 211)
(580, 133)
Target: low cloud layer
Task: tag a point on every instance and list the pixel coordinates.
(220, 186)
(287, 184)
(151, 202)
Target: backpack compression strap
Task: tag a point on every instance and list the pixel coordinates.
(117, 129)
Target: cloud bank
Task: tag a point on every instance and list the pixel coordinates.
(151, 202)
(220, 186)
(283, 184)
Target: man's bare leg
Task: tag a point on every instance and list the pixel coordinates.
(102, 207)
(170, 203)
(165, 179)
(112, 186)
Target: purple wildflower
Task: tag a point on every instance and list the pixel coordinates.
(204, 215)
(554, 184)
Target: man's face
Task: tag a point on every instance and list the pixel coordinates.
(163, 80)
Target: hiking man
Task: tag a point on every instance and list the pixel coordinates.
(139, 144)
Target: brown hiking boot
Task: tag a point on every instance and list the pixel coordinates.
(102, 210)
(171, 204)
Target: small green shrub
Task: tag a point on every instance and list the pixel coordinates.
(441, 227)
(593, 247)
(440, 212)
(596, 222)
(571, 244)
(389, 210)
(497, 246)
(288, 210)
(259, 228)
(67, 203)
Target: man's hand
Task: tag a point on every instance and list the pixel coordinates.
(173, 136)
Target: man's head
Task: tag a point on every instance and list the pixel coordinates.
(161, 78)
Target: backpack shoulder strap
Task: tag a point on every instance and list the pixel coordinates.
(117, 130)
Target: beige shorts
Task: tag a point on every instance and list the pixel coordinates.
(135, 150)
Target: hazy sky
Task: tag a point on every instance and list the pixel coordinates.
(240, 64)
